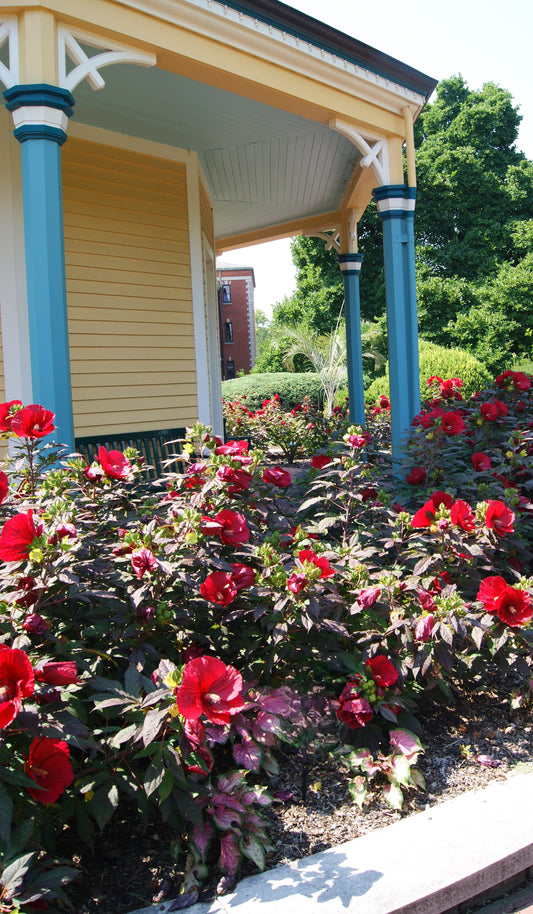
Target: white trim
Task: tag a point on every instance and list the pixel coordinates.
(87, 67)
(279, 47)
(395, 203)
(131, 143)
(202, 332)
(42, 115)
(13, 294)
(374, 156)
(252, 347)
(9, 32)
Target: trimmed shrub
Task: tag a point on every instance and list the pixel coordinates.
(443, 362)
(292, 388)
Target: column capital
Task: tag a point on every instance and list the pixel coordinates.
(40, 111)
(394, 200)
(350, 264)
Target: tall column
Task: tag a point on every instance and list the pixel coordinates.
(40, 114)
(396, 207)
(350, 266)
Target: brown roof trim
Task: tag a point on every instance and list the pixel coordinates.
(278, 14)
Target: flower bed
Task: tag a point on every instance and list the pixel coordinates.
(159, 645)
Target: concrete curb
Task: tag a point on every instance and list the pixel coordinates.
(424, 864)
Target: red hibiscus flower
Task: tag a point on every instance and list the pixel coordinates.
(417, 476)
(357, 440)
(461, 515)
(383, 672)
(277, 477)
(143, 560)
(230, 526)
(211, 688)
(307, 555)
(33, 422)
(354, 711)
(425, 516)
(114, 464)
(49, 766)
(296, 582)
(219, 587)
(232, 448)
(238, 480)
(17, 681)
(480, 461)
(243, 575)
(18, 533)
(4, 486)
(512, 605)
(490, 411)
(57, 672)
(499, 518)
(521, 381)
(319, 461)
(7, 412)
(452, 423)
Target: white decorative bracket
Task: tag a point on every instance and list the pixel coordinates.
(86, 67)
(332, 239)
(375, 156)
(9, 35)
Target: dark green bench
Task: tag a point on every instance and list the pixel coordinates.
(156, 448)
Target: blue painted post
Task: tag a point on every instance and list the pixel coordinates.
(40, 114)
(350, 266)
(396, 207)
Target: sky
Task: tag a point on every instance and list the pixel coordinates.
(484, 40)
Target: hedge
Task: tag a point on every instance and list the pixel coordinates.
(443, 362)
(292, 387)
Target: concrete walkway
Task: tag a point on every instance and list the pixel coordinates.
(428, 863)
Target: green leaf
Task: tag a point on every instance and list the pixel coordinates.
(14, 873)
(254, 850)
(152, 724)
(402, 770)
(166, 785)
(103, 804)
(393, 795)
(358, 790)
(6, 815)
(154, 775)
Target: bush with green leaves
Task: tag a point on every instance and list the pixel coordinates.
(291, 387)
(157, 645)
(441, 361)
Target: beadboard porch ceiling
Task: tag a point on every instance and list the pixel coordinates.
(264, 166)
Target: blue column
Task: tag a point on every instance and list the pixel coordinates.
(40, 114)
(396, 207)
(350, 266)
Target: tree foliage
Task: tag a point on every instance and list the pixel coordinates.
(473, 228)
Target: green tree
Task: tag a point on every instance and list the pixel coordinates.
(473, 229)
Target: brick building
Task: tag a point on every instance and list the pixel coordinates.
(237, 323)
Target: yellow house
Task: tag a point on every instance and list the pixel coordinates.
(194, 127)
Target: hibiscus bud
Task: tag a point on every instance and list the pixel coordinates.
(424, 627)
(35, 624)
(61, 672)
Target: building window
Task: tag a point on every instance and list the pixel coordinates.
(228, 332)
(226, 294)
(230, 369)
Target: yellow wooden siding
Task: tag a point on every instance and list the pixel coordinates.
(128, 290)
